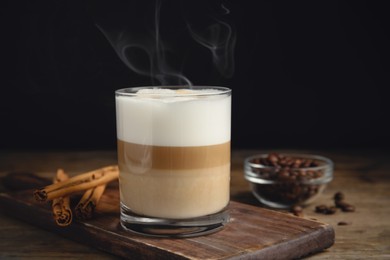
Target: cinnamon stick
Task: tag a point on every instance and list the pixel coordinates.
(78, 183)
(86, 207)
(61, 206)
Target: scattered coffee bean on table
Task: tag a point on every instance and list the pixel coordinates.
(344, 206)
(340, 203)
(325, 209)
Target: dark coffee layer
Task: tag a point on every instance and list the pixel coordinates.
(173, 157)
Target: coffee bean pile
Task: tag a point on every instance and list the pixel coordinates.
(290, 175)
(287, 168)
(278, 160)
(339, 203)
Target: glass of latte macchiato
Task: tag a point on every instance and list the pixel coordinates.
(174, 159)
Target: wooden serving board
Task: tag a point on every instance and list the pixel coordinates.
(252, 233)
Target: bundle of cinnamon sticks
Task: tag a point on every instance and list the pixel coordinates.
(93, 184)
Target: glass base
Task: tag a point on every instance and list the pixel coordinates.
(160, 227)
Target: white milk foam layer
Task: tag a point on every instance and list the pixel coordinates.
(165, 117)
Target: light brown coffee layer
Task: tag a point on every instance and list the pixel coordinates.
(167, 157)
(176, 194)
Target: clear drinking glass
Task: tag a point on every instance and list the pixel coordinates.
(174, 159)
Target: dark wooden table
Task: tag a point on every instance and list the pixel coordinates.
(364, 177)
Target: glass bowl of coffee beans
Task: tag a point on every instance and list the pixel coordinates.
(287, 180)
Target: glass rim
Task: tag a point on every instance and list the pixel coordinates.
(132, 91)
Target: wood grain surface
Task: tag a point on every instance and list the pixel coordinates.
(252, 232)
(363, 176)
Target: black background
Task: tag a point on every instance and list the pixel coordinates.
(308, 74)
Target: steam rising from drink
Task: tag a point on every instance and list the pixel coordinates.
(146, 53)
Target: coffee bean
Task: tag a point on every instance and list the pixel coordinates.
(289, 161)
(339, 196)
(257, 161)
(317, 174)
(325, 209)
(314, 164)
(297, 163)
(307, 163)
(264, 161)
(273, 157)
(297, 211)
(284, 172)
(283, 162)
(331, 210)
(321, 208)
(344, 206)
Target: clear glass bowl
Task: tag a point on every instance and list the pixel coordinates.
(287, 180)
